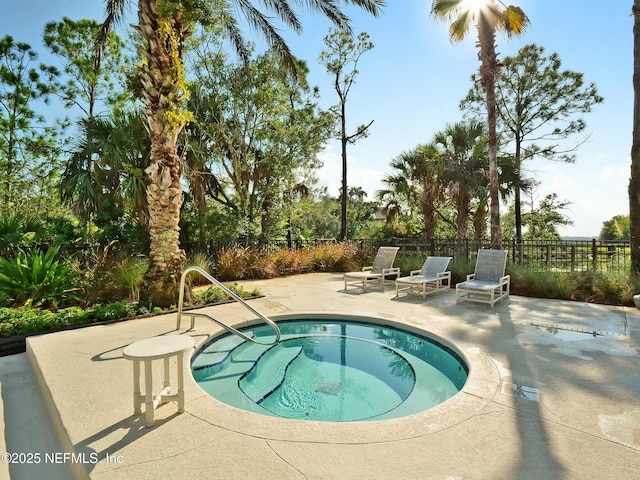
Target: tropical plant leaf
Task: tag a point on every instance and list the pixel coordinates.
(37, 279)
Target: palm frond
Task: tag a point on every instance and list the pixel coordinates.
(331, 11)
(114, 11)
(514, 21)
(374, 7)
(262, 24)
(445, 9)
(511, 19)
(461, 25)
(284, 12)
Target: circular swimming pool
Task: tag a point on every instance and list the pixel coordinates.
(330, 370)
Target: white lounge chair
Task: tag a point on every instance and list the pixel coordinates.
(433, 278)
(382, 266)
(488, 284)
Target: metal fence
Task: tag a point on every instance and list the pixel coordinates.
(561, 255)
(266, 246)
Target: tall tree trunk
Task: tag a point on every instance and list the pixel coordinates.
(488, 70)
(634, 181)
(163, 84)
(428, 213)
(480, 221)
(517, 200)
(198, 190)
(343, 205)
(462, 217)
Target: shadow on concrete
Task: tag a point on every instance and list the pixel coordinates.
(559, 369)
(124, 432)
(537, 460)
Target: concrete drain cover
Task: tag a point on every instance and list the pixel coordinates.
(330, 387)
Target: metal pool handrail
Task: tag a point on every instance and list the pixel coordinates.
(267, 320)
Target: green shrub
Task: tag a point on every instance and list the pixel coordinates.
(37, 279)
(460, 268)
(127, 275)
(19, 233)
(112, 279)
(216, 294)
(615, 288)
(611, 288)
(629, 286)
(202, 261)
(407, 263)
(22, 321)
(115, 311)
(542, 283)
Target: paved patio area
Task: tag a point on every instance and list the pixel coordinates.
(544, 399)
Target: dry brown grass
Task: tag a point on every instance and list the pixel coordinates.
(242, 263)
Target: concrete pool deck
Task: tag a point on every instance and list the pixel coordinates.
(544, 400)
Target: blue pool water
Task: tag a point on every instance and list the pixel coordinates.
(333, 371)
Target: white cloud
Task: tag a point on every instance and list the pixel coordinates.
(359, 174)
(596, 194)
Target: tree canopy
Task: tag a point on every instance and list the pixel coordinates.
(538, 107)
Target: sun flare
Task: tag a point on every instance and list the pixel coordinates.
(473, 5)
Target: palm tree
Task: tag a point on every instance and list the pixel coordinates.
(461, 149)
(164, 26)
(105, 169)
(414, 181)
(488, 16)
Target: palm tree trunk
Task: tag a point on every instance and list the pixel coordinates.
(480, 221)
(462, 217)
(488, 69)
(164, 197)
(634, 181)
(162, 78)
(428, 217)
(197, 185)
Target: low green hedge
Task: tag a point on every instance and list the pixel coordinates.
(26, 321)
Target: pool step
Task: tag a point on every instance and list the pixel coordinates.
(226, 347)
(268, 372)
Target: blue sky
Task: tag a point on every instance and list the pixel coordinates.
(411, 83)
